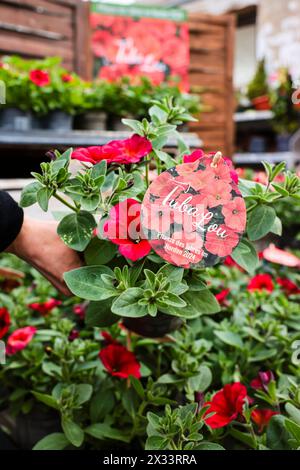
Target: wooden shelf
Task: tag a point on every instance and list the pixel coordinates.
(253, 116)
(257, 158)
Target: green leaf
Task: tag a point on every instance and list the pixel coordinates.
(99, 169)
(156, 443)
(243, 437)
(54, 441)
(72, 431)
(205, 445)
(90, 203)
(168, 379)
(43, 196)
(245, 256)
(126, 305)
(277, 227)
(46, 399)
(199, 303)
(87, 283)
(76, 230)
(105, 431)
(136, 383)
(293, 429)
(99, 252)
(293, 412)
(280, 189)
(277, 436)
(102, 404)
(83, 393)
(99, 314)
(29, 194)
(201, 381)
(230, 338)
(260, 222)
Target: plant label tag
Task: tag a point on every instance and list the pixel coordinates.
(193, 214)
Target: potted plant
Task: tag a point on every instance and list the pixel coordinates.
(258, 89)
(92, 114)
(286, 118)
(14, 114)
(123, 278)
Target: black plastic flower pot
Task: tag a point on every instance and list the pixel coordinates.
(32, 427)
(15, 119)
(153, 327)
(58, 121)
(91, 121)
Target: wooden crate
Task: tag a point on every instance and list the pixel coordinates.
(211, 69)
(40, 28)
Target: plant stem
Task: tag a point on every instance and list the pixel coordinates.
(66, 203)
(147, 174)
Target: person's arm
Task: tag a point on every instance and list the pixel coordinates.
(36, 242)
(11, 220)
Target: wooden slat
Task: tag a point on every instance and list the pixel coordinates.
(14, 43)
(43, 6)
(13, 15)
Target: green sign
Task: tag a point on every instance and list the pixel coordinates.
(139, 11)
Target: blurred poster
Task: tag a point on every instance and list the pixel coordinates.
(140, 46)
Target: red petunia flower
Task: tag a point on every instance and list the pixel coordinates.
(231, 263)
(74, 334)
(262, 380)
(108, 338)
(126, 151)
(262, 417)
(79, 310)
(222, 296)
(44, 308)
(4, 321)
(227, 405)
(19, 339)
(261, 282)
(39, 77)
(124, 229)
(67, 78)
(194, 156)
(120, 362)
(288, 286)
(235, 214)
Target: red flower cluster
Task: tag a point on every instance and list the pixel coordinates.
(227, 405)
(118, 361)
(79, 310)
(44, 308)
(39, 77)
(66, 77)
(261, 282)
(126, 151)
(19, 339)
(123, 228)
(4, 321)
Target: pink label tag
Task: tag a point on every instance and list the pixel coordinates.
(193, 214)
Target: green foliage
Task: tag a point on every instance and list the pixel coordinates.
(259, 84)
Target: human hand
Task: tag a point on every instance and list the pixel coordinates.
(39, 245)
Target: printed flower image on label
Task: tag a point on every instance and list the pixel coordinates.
(194, 215)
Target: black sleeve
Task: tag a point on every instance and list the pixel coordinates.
(11, 220)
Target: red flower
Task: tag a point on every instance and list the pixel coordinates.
(262, 417)
(67, 78)
(261, 282)
(222, 296)
(19, 339)
(231, 263)
(79, 310)
(39, 77)
(235, 214)
(123, 228)
(219, 246)
(119, 362)
(126, 151)
(4, 321)
(289, 287)
(194, 156)
(108, 338)
(44, 308)
(74, 334)
(262, 380)
(226, 405)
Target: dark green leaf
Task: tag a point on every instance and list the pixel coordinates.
(76, 230)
